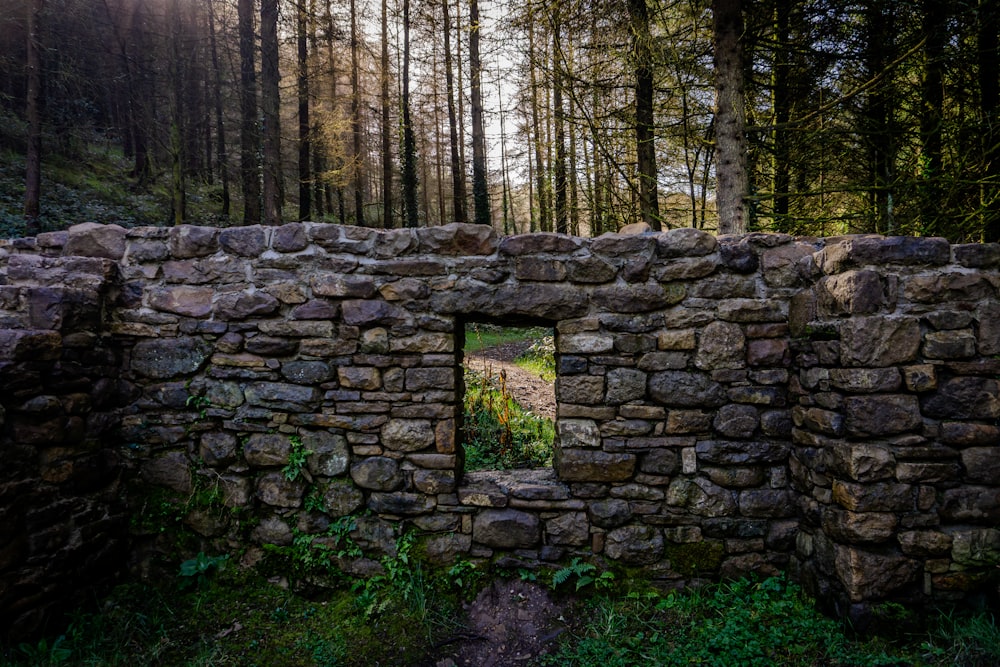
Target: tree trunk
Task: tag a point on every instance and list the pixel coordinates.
(559, 122)
(305, 128)
(457, 170)
(732, 181)
(359, 204)
(249, 132)
(271, 107)
(33, 111)
(387, 165)
(781, 103)
(411, 212)
(645, 135)
(221, 156)
(876, 123)
(480, 185)
(989, 91)
(935, 19)
(536, 129)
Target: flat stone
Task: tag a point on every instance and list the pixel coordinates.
(686, 389)
(274, 489)
(964, 398)
(701, 497)
(609, 513)
(868, 575)
(342, 498)
(408, 435)
(859, 527)
(882, 414)
(635, 545)
(569, 529)
(165, 358)
(586, 465)
(378, 473)
(182, 300)
(506, 529)
(879, 341)
(721, 345)
(401, 503)
(741, 452)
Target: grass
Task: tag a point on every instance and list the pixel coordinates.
(765, 623)
(405, 616)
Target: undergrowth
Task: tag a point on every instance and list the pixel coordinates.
(499, 433)
(749, 622)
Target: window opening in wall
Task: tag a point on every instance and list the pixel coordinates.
(508, 396)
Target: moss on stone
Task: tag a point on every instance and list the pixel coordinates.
(693, 557)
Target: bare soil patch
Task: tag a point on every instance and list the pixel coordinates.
(511, 622)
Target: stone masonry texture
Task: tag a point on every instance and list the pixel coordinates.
(726, 406)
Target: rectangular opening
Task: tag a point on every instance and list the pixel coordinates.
(508, 396)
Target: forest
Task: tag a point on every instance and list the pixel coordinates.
(810, 117)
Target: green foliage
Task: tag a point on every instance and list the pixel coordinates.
(311, 554)
(584, 574)
(499, 433)
(298, 456)
(540, 358)
(964, 639)
(44, 654)
(198, 570)
(744, 622)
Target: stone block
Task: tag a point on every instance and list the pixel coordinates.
(580, 389)
(971, 504)
(879, 341)
(870, 575)
(377, 473)
(950, 344)
(741, 452)
(624, 385)
(276, 490)
(342, 498)
(400, 503)
(686, 389)
(609, 513)
(408, 435)
(874, 497)
(736, 421)
(701, 497)
(588, 465)
(634, 545)
(882, 414)
(859, 527)
(506, 529)
(964, 398)
(568, 529)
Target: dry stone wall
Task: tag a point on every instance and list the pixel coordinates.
(725, 406)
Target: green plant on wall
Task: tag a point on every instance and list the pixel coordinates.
(298, 457)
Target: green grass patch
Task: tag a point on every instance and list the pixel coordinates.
(749, 622)
(540, 358)
(481, 336)
(499, 433)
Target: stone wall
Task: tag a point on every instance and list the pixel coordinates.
(725, 406)
(61, 509)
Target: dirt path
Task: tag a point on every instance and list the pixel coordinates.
(531, 391)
